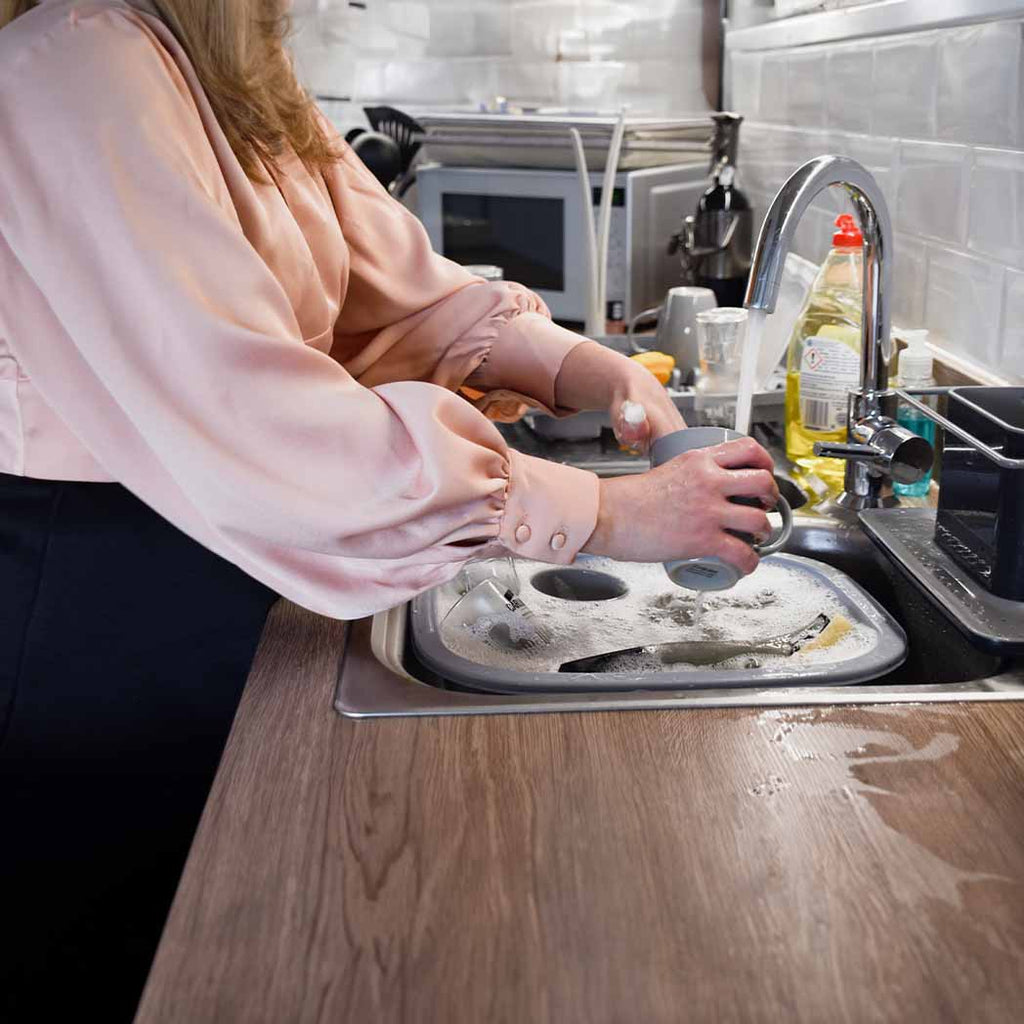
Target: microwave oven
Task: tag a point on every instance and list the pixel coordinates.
(530, 223)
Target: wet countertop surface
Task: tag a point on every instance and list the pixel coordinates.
(844, 864)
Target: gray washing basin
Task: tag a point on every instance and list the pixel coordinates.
(380, 675)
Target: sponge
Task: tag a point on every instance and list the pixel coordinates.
(830, 635)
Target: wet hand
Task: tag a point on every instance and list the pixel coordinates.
(682, 509)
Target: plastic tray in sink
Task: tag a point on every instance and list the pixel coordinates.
(883, 648)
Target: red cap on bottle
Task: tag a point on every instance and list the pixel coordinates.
(848, 234)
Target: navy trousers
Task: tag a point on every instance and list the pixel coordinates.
(124, 647)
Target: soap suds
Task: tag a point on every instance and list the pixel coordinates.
(773, 601)
(633, 413)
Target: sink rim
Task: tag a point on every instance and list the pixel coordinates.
(370, 686)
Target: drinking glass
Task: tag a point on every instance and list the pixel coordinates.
(501, 570)
(721, 335)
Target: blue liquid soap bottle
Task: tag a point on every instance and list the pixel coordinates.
(916, 372)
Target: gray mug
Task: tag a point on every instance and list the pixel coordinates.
(677, 326)
(710, 572)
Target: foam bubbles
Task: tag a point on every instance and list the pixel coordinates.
(773, 601)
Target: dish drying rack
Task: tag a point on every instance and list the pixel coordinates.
(907, 536)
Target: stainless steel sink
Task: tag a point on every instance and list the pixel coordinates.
(379, 677)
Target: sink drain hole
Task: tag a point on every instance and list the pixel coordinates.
(579, 584)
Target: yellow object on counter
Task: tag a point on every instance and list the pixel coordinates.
(830, 635)
(660, 364)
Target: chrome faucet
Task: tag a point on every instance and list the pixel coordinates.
(877, 450)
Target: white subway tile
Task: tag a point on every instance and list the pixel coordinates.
(806, 144)
(369, 80)
(996, 224)
(773, 88)
(527, 81)
(330, 72)
(1012, 346)
(745, 83)
(786, 8)
(963, 302)
(813, 236)
(1011, 356)
(751, 177)
(848, 78)
(903, 96)
(410, 18)
(590, 85)
(458, 31)
(662, 88)
(657, 33)
(932, 190)
(1020, 96)
(778, 151)
(536, 27)
(979, 75)
(878, 154)
(909, 270)
(447, 81)
(805, 88)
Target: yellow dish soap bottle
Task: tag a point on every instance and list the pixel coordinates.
(823, 365)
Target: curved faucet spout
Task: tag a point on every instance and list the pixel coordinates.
(776, 237)
(878, 450)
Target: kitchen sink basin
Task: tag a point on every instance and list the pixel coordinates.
(380, 675)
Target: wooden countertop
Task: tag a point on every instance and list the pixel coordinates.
(733, 865)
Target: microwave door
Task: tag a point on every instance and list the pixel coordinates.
(523, 235)
(529, 223)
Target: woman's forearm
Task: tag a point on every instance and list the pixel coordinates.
(595, 377)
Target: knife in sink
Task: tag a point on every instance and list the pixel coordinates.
(702, 652)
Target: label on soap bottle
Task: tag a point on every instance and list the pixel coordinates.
(829, 371)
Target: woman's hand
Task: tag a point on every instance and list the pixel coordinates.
(595, 377)
(681, 509)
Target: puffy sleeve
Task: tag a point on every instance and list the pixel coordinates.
(414, 315)
(159, 335)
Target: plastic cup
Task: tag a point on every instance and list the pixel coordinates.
(721, 335)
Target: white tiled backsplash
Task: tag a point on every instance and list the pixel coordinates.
(580, 53)
(938, 117)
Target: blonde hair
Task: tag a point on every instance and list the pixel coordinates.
(237, 50)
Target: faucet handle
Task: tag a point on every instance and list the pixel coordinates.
(848, 452)
(889, 450)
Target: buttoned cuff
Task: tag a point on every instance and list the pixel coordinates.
(550, 509)
(525, 358)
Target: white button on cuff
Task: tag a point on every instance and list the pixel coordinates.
(558, 541)
(522, 534)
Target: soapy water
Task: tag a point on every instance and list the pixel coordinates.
(773, 601)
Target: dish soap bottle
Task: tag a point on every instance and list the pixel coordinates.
(916, 372)
(823, 365)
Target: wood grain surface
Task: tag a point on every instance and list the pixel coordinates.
(731, 865)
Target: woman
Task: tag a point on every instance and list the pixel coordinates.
(230, 368)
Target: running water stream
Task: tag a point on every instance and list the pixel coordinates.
(698, 608)
(748, 370)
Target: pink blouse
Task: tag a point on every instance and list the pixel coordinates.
(272, 367)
